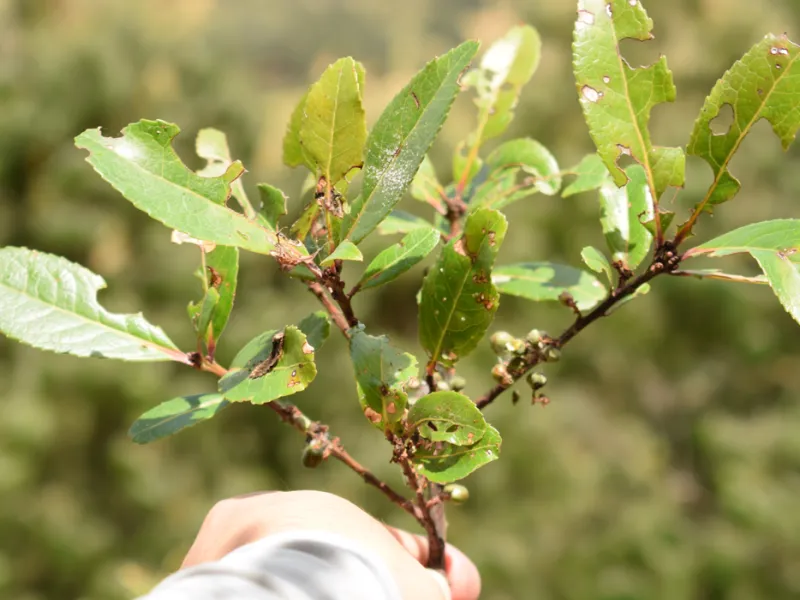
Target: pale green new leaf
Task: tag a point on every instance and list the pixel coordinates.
(143, 167)
(622, 213)
(443, 463)
(402, 222)
(273, 205)
(773, 244)
(447, 417)
(212, 145)
(401, 137)
(425, 185)
(763, 84)
(51, 303)
(382, 372)
(458, 300)
(333, 128)
(270, 367)
(347, 250)
(294, 154)
(597, 262)
(616, 98)
(544, 281)
(400, 257)
(174, 415)
(590, 174)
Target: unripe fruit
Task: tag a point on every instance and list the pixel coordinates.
(443, 386)
(501, 342)
(313, 454)
(535, 336)
(536, 380)
(517, 346)
(457, 383)
(457, 492)
(552, 354)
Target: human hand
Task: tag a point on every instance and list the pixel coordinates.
(238, 521)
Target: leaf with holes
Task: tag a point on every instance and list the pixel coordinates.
(544, 281)
(763, 84)
(590, 174)
(622, 213)
(333, 128)
(444, 463)
(51, 303)
(172, 416)
(617, 99)
(382, 372)
(402, 222)
(458, 300)
(774, 245)
(597, 262)
(144, 168)
(400, 139)
(399, 258)
(447, 417)
(345, 251)
(272, 365)
(212, 145)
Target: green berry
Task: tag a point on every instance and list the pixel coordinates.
(552, 354)
(536, 380)
(535, 336)
(518, 346)
(313, 454)
(457, 492)
(501, 342)
(457, 383)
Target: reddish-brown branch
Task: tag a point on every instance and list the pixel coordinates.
(336, 315)
(436, 539)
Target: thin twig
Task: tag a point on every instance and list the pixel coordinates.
(436, 542)
(336, 315)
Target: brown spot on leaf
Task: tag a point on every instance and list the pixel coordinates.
(372, 416)
(214, 278)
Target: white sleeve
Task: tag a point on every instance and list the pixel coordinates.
(291, 566)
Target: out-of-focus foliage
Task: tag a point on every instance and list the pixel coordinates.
(667, 464)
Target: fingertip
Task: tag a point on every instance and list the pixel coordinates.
(465, 580)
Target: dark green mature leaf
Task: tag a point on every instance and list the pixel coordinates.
(382, 372)
(273, 205)
(399, 258)
(442, 463)
(597, 262)
(773, 244)
(271, 365)
(144, 168)
(399, 140)
(345, 251)
(540, 281)
(333, 128)
(425, 186)
(317, 328)
(591, 173)
(50, 303)
(402, 222)
(506, 162)
(506, 66)
(447, 417)
(617, 99)
(764, 83)
(459, 301)
(622, 212)
(212, 145)
(174, 415)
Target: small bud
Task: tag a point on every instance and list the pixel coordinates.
(536, 380)
(457, 383)
(313, 454)
(552, 354)
(517, 346)
(535, 336)
(501, 375)
(501, 342)
(457, 492)
(443, 386)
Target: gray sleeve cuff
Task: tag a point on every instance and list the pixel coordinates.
(290, 566)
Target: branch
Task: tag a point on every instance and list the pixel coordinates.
(336, 315)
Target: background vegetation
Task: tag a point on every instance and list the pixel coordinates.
(667, 465)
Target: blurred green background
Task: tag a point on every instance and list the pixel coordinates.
(667, 465)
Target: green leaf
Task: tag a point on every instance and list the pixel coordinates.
(616, 98)
(400, 139)
(591, 173)
(597, 262)
(144, 168)
(402, 222)
(399, 258)
(721, 275)
(201, 314)
(506, 66)
(622, 212)
(222, 265)
(463, 160)
(637, 293)
(442, 463)
(773, 244)
(174, 415)
(540, 281)
(212, 145)
(345, 251)
(271, 365)
(273, 205)
(458, 300)
(300, 228)
(447, 417)
(764, 83)
(316, 327)
(506, 162)
(382, 372)
(333, 129)
(294, 154)
(425, 186)
(50, 303)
